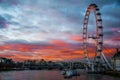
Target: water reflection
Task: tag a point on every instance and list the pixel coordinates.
(49, 75)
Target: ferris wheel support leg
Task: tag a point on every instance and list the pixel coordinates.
(92, 67)
(106, 61)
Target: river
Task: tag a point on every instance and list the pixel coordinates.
(49, 75)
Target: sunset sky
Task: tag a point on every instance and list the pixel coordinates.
(52, 29)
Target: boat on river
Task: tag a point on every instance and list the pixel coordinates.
(67, 73)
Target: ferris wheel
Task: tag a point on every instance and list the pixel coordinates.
(98, 37)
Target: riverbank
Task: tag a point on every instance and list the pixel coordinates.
(13, 69)
(112, 73)
(22, 69)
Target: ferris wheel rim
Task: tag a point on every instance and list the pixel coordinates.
(99, 30)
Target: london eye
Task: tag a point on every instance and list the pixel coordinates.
(100, 60)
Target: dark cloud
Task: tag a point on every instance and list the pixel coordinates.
(7, 3)
(24, 42)
(102, 3)
(111, 24)
(7, 16)
(3, 22)
(112, 11)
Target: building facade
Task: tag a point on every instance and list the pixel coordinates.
(115, 61)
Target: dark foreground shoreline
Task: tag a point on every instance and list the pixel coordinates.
(110, 73)
(20, 69)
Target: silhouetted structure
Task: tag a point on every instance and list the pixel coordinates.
(9, 64)
(100, 62)
(116, 60)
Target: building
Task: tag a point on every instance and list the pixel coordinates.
(2, 60)
(116, 60)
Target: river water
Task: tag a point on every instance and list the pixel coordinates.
(49, 75)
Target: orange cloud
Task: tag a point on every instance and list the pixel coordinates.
(59, 42)
(76, 38)
(47, 52)
(116, 39)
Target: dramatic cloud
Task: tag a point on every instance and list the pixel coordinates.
(35, 29)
